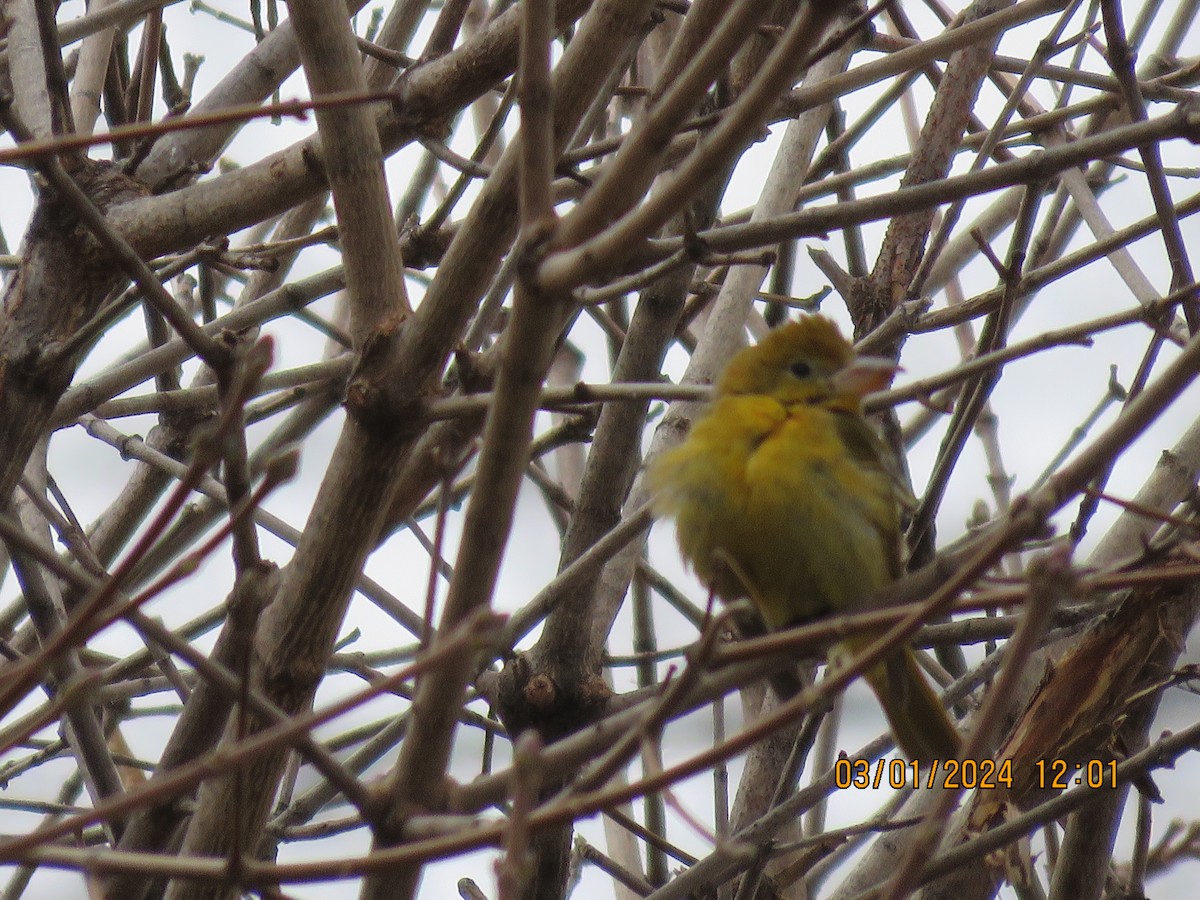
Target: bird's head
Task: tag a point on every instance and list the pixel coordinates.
(806, 362)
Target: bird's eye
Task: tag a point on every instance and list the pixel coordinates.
(801, 369)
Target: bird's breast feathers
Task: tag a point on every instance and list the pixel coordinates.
(775, 490)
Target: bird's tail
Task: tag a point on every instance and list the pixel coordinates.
(920, 724)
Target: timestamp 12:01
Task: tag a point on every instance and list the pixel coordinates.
(1058, 774)
(968, 774)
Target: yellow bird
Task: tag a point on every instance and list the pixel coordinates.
(780, 494)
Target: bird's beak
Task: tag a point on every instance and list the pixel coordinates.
(865, 375)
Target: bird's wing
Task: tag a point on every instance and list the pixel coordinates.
(867, 451)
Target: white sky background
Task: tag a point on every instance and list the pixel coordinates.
(1039, 402)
